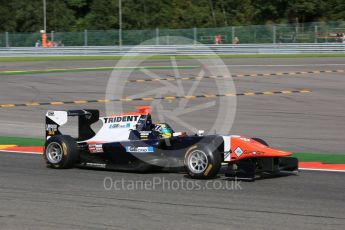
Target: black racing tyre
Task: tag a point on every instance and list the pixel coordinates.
(201, 162)
(261, 141)
(61, 152)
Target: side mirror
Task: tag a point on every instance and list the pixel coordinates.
(200, 133)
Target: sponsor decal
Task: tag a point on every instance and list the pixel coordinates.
(50, 114)
(96, 165)
(238, 151)
(135, 149)
(96, 148)
(245, 139)
(119, 126)
(108, 120)
(51, 129)
(226, 156)
(253, 152)
(145, 133)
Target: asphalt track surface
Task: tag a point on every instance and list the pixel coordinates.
(312, 122)
(34, 197)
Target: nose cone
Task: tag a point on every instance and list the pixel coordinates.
(244, 147)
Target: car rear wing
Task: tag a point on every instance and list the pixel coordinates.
(56, 119)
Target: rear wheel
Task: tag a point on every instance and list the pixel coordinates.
(61, 152)
(201, 162)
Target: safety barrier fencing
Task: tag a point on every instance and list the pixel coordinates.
(198, 49)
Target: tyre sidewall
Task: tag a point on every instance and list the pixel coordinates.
(69, 148)
(214, 162)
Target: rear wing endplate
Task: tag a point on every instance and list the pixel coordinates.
(56, 119)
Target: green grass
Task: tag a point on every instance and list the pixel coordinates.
(21, 141)
(162, 57)
(321, 157)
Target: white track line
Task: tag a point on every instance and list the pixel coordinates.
(279, 65)
(12, 151)
(322, 170)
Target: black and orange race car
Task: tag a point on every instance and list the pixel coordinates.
(132, 142)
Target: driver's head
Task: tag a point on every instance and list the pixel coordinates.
(164, 130)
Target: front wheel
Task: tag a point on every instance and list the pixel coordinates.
(61, 152)
(202, 162)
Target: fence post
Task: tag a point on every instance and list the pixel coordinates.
(232, 33)
(315, 34)
(195, 35)
(85, 37)
(157, 36)
(274, 34)
(7, 40)
(120, 23)
(52, 36)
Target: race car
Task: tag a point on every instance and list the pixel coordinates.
(132, 142)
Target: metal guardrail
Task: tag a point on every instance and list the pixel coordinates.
(306, 48)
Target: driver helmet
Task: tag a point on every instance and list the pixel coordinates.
(164, 130)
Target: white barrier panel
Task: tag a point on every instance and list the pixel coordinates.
(300, 48)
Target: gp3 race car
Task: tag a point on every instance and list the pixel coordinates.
(131, 142)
